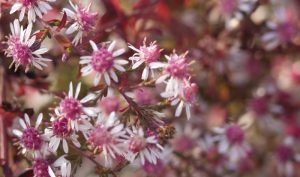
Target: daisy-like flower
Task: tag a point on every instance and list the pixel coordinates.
(74, 110)
(106, 137)
(184, 99)
(30, 139)
(103, 61)
(64, 166)
(20, 48)
(84, 21)
(145, 54)
(175, 73)
(41, 168)
(60, 132)
(141, 146)
(185, 139)
(283, 28)
(232, 143)
(33, 8)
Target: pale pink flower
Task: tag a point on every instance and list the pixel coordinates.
(106, 137)
(147, 55)
(20, 48)
(31, 139)
(142, 146)
(103, 61)
(33, 8)
(84, 21)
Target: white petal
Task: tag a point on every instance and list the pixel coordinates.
(70, 90)
(77, 90)
(94, 46)
(118, 52)
(40, 51)
(65, 146)
(111, 46)
(145, 73)
(179, 109)
(107, 79)
(15, 7)
(39, 120)
(137, 64)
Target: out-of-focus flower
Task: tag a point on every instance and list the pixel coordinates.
(20, 48)
(283, 28)
(73, 109)
(232, 143)
(147, 55)
(30, 139)
(84, 21)
(33, 8)
(109, 104)
(103, 61)
(185, 138)
(142, 96)
(106, 137)
(141, 146)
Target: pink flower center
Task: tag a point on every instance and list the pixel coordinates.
(235, 134)
(284, 153)
(27, 3)
(21, 54)
(177, 67)
(86, 19)
(228, 6)
(136, 144)
(99, 136)
(109, 105)
(102, 60)
(143, 96)
(286, 31)
(31, 139)
(60, 127)
(150, 54)
(40, 168)
(71, 108)
(190, 92)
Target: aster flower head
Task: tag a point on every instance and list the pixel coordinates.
(103, 61)
(143, 146)
(73, 108)
(41, 168)
(147, 55)
(20, 48)
(282, 29)
(106, 137)
(33, 8)
(142, 96)
(175, 73)
(185, 98)
(30, 139)
(60, 131)
(109, 104)
(83, 21)
(232, 142)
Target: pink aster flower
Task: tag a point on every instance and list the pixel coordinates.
(106, 137)
(109, 104)
(103, 61)
(20, 48)
(282, 30)
(175, 73)
(142, 96)
(74, 110)
(60, 132)
(142, 146)
(84, 21)
(41, 168)
(33, 8)
(31, 139)
(232, 142)
(147, 55)
(186, 98)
